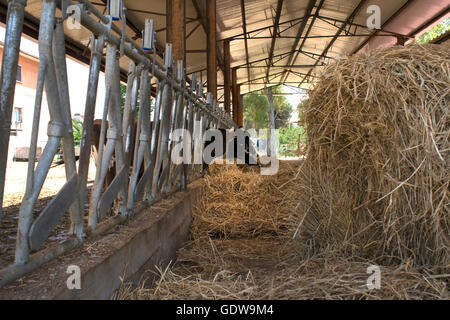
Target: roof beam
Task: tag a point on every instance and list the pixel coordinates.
(384, 24)
(274, 35)
(276, 66)
(342, 28)
(291, 22)
(282, 56)
(300, 33)
(244, 28)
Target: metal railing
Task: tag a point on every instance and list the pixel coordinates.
(180, 104)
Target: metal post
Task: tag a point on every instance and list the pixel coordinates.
(191, 126)
(240, 115)
(59, 53)
(88, 124)
(189, 106)
(271, 121)
(130, 109)
(100, 204)
(164, 130)
(143, 140)
(235, 95)
(211, 47)
(8, 78)
(56, 130)
(227, 76)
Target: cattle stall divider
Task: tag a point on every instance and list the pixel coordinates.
(190, 110)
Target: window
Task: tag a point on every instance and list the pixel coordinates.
(19, 73)
(17, 119)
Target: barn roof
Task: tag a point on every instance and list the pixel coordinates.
(272, 41)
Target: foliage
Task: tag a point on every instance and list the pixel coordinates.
(435, 32)
(77, 127)
(123, 97)
(289, 140)
(300, 108)
(256, 109)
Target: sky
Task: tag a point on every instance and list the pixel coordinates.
(294, 99)
(78, 74)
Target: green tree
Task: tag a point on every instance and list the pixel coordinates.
(256, 109)
(289, 138)
(434, 32)
(77, 127)
(123, 97)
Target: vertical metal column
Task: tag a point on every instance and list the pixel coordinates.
(235, 95)
(270, 145)
(102, 203)
(191, 127)
(142, 140)
(227, 76)
(240, 115)
(162, 158)
(88, 124)
(211, 47)
(178, 122)
(165, 179)
(59, 53)
(56, 129)
(11, 49)
(129, 113)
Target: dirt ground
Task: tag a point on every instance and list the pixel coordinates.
(16, 176)
(16, 179)
(241, 247)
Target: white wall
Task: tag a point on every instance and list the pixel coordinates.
(77, 73)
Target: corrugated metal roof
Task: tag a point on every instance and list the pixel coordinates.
(322, 23)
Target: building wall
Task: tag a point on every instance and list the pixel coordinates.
(25, 100)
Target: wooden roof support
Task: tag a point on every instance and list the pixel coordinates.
(176, 28)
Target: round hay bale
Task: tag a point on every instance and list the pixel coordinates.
(376, 175)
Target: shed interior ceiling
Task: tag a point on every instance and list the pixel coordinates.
(326, 17)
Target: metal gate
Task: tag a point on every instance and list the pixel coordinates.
(179, 103)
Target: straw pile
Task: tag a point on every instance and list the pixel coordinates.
(233, 253)
(376, 175)
(373, 190)
(241, 203)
